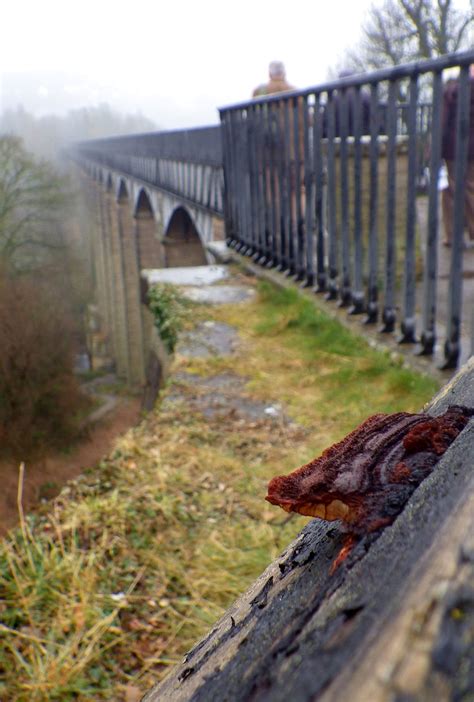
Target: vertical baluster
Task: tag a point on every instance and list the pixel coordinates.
(236, 189)
(260, 255)
(238, 181)
(235, 174)
(187, 191)
(226, 164)
(343, 114)
(331, 203)
(228, 183)
(243, 183)
(296, 176)
(282, 188)
(273, 218)
(357, 295)
(279, 235)
(309, 203)
(228, 176)
(173, 176)
(408, 321)
(227, 168)
(265, 257)
(251, 156)
(289, 192)
(372, 287)
(193, 187)
(452, 344)
(321, 277)
(259, 149)
(389, 315)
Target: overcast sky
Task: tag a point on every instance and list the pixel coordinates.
(174, 61)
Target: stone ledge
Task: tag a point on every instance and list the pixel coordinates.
(381, 628)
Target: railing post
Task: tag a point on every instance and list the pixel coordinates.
(408, 321)
(290, 193)
(428, 335)
(259, 151)
(253, 175)
(308, 196)
(389, 314)
(343, 123)
(373, 278)
(357, 294)
(284, 210)
(272, 172)
(331, 200)
(321, 277)
(296, 176)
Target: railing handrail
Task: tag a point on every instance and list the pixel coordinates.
(200, 145)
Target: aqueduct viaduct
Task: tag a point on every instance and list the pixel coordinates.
(347, 210)
(335, 185)
(150, 213)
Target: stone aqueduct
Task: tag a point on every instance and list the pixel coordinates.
(137, 227)
(300, 182)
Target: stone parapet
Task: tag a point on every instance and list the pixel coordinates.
(395, 624)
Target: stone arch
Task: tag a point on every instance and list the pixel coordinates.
(150, 253)
(183, 245)
(122, 191)
(143, 207)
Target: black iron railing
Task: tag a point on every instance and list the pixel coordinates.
(185, 163)
(323, 183)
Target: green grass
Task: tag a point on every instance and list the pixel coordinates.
(106, 589)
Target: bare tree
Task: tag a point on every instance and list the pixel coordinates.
(400, 31)
(32, 203)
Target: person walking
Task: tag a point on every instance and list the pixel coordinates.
(277, 81)
(448, 149)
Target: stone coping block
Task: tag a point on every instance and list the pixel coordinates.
(188, 275)
(396, 624)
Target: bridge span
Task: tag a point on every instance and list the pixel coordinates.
(335, 185)
(157, 201)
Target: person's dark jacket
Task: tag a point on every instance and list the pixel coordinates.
(450, 101)
(351, 106)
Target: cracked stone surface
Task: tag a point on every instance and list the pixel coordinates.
(219, 294)
(208, 339)
(222, 394)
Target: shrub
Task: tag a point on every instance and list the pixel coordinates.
(40, 399)
(169, 308)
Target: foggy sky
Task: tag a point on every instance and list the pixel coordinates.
(174, 62)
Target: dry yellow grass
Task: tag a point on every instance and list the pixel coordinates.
(135, 561)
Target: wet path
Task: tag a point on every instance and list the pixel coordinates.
(219, 394)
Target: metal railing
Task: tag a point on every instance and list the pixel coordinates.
(186, 163)
(322, 183)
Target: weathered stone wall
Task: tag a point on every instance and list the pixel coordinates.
(131, 228)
